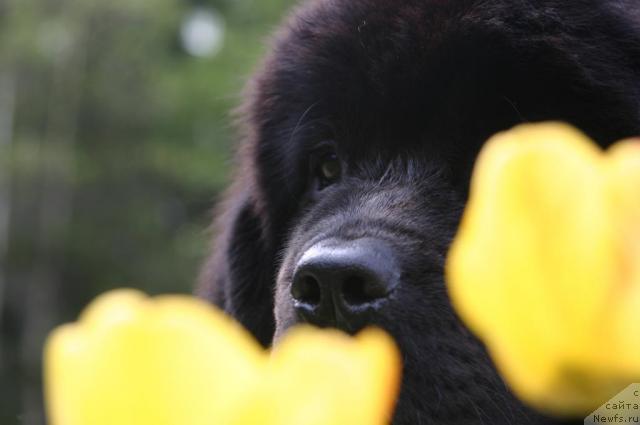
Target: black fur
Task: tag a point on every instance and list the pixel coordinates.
(407, 91)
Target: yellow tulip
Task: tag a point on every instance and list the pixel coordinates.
(325, 377)
(545, 268)
(174, 360)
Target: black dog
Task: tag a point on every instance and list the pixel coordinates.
(361, 129)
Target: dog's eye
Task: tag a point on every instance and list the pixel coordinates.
(328, 169)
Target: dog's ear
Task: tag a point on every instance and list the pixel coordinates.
(239, 273)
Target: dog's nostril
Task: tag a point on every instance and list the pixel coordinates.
(358, 290)
(353, 290)
(306, 290)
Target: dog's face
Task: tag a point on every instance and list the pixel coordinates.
(367, 248)
(362, 127)
(364, 169)
(368, 240)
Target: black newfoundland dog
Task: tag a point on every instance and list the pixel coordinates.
(362, 126)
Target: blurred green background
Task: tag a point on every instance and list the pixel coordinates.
(115, 142)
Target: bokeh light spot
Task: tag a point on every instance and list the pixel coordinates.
(202, 32)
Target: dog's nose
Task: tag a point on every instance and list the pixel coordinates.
(341, 283)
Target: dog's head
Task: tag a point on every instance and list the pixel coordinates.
(362, 127)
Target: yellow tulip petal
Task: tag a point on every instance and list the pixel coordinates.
(134, 360)
(319, 376)
(624, 177)
(538, 252)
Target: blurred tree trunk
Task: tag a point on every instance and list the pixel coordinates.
(7, 109)
(54, 216)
